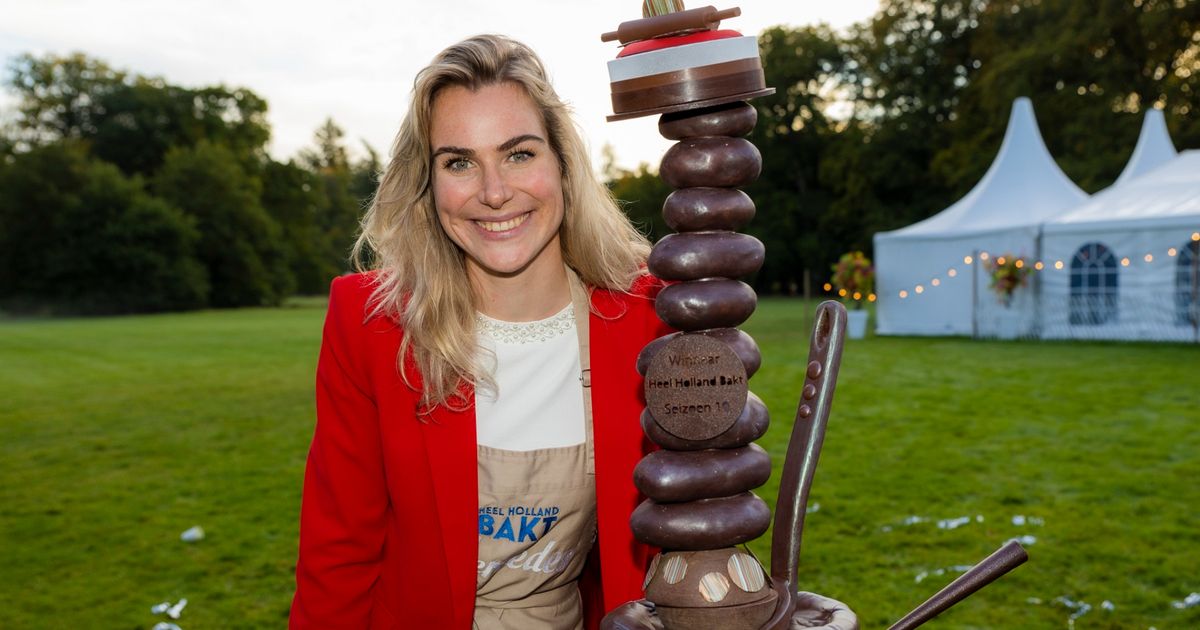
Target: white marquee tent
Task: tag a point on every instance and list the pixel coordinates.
(924, 282)
(1131, 260)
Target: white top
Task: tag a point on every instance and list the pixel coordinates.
(539, 402)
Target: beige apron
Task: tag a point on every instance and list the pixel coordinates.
(537, 521)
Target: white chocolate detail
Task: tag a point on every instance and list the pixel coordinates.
(683, 57)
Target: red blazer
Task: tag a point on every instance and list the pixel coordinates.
(389, 519)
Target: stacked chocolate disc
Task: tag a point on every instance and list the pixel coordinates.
(699, 409)
(700, 502)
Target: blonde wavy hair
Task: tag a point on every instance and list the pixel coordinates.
(421, 274)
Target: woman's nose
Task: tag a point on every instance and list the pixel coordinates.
(495, 190)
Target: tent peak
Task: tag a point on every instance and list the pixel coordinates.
(1024, 186)
(1154, 147)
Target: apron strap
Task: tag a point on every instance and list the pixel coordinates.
(581, 304)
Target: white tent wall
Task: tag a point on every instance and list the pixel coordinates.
(1000, 215)
(949, 307)
(1145, 305)
(1156, 214)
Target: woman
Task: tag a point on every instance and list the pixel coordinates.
(477, 402)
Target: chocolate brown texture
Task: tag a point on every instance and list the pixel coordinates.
(701, 525)
(700, 485)
(700, 19)
(714, 303)
(711, 161)
(732, 119)
(749, 426)
(676, 476)
(698, 255)
(743, 346)
(705, 208)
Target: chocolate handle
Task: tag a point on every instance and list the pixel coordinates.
(993, 567)
(808, 433)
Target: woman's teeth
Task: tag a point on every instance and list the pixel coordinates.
(503, 226)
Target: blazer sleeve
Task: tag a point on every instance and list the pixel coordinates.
(343, 514)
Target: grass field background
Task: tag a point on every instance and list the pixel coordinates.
(117, 434)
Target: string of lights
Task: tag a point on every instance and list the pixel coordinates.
(968, 260)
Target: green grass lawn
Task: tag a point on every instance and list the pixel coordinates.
(117, 434)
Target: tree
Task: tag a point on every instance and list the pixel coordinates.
(78, 236)
(1091, 70)
(295, 198)
(59, 97)
(240, 245)
(132, 120)
(794, 135)
(346, 187)
(641, 194)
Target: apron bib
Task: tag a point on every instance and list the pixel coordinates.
(537, 521)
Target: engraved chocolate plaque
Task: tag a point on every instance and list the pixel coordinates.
(695, 387)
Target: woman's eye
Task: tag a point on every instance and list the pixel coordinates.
(456, 164)
(520, 155)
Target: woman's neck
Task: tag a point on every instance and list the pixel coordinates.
(535, 293)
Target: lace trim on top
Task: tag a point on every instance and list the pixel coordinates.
(526, 332)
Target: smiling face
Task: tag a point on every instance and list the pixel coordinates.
(497, 186)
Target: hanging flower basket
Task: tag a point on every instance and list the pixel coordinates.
(1008, 274)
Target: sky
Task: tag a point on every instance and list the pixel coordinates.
(355, 60)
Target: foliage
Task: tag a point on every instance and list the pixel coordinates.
(1008, 273)
(1091, 69)
(295, 199)
(344, 188)
(642, 194)
(129, 120)
(240, 244)
(793, 218)
(78, 236)
(854, 278)
(262, 228)
(205, 418)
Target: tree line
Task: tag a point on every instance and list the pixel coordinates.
(124, 193)
(891, 121)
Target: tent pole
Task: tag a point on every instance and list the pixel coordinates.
(975, 294)
(1194, 308)
(1037, 287)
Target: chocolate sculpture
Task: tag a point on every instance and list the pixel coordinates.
(700, 503)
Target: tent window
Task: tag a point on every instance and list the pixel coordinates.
(1187, 285)
(1093, 285)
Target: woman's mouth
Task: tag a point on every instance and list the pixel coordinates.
(502, 226)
